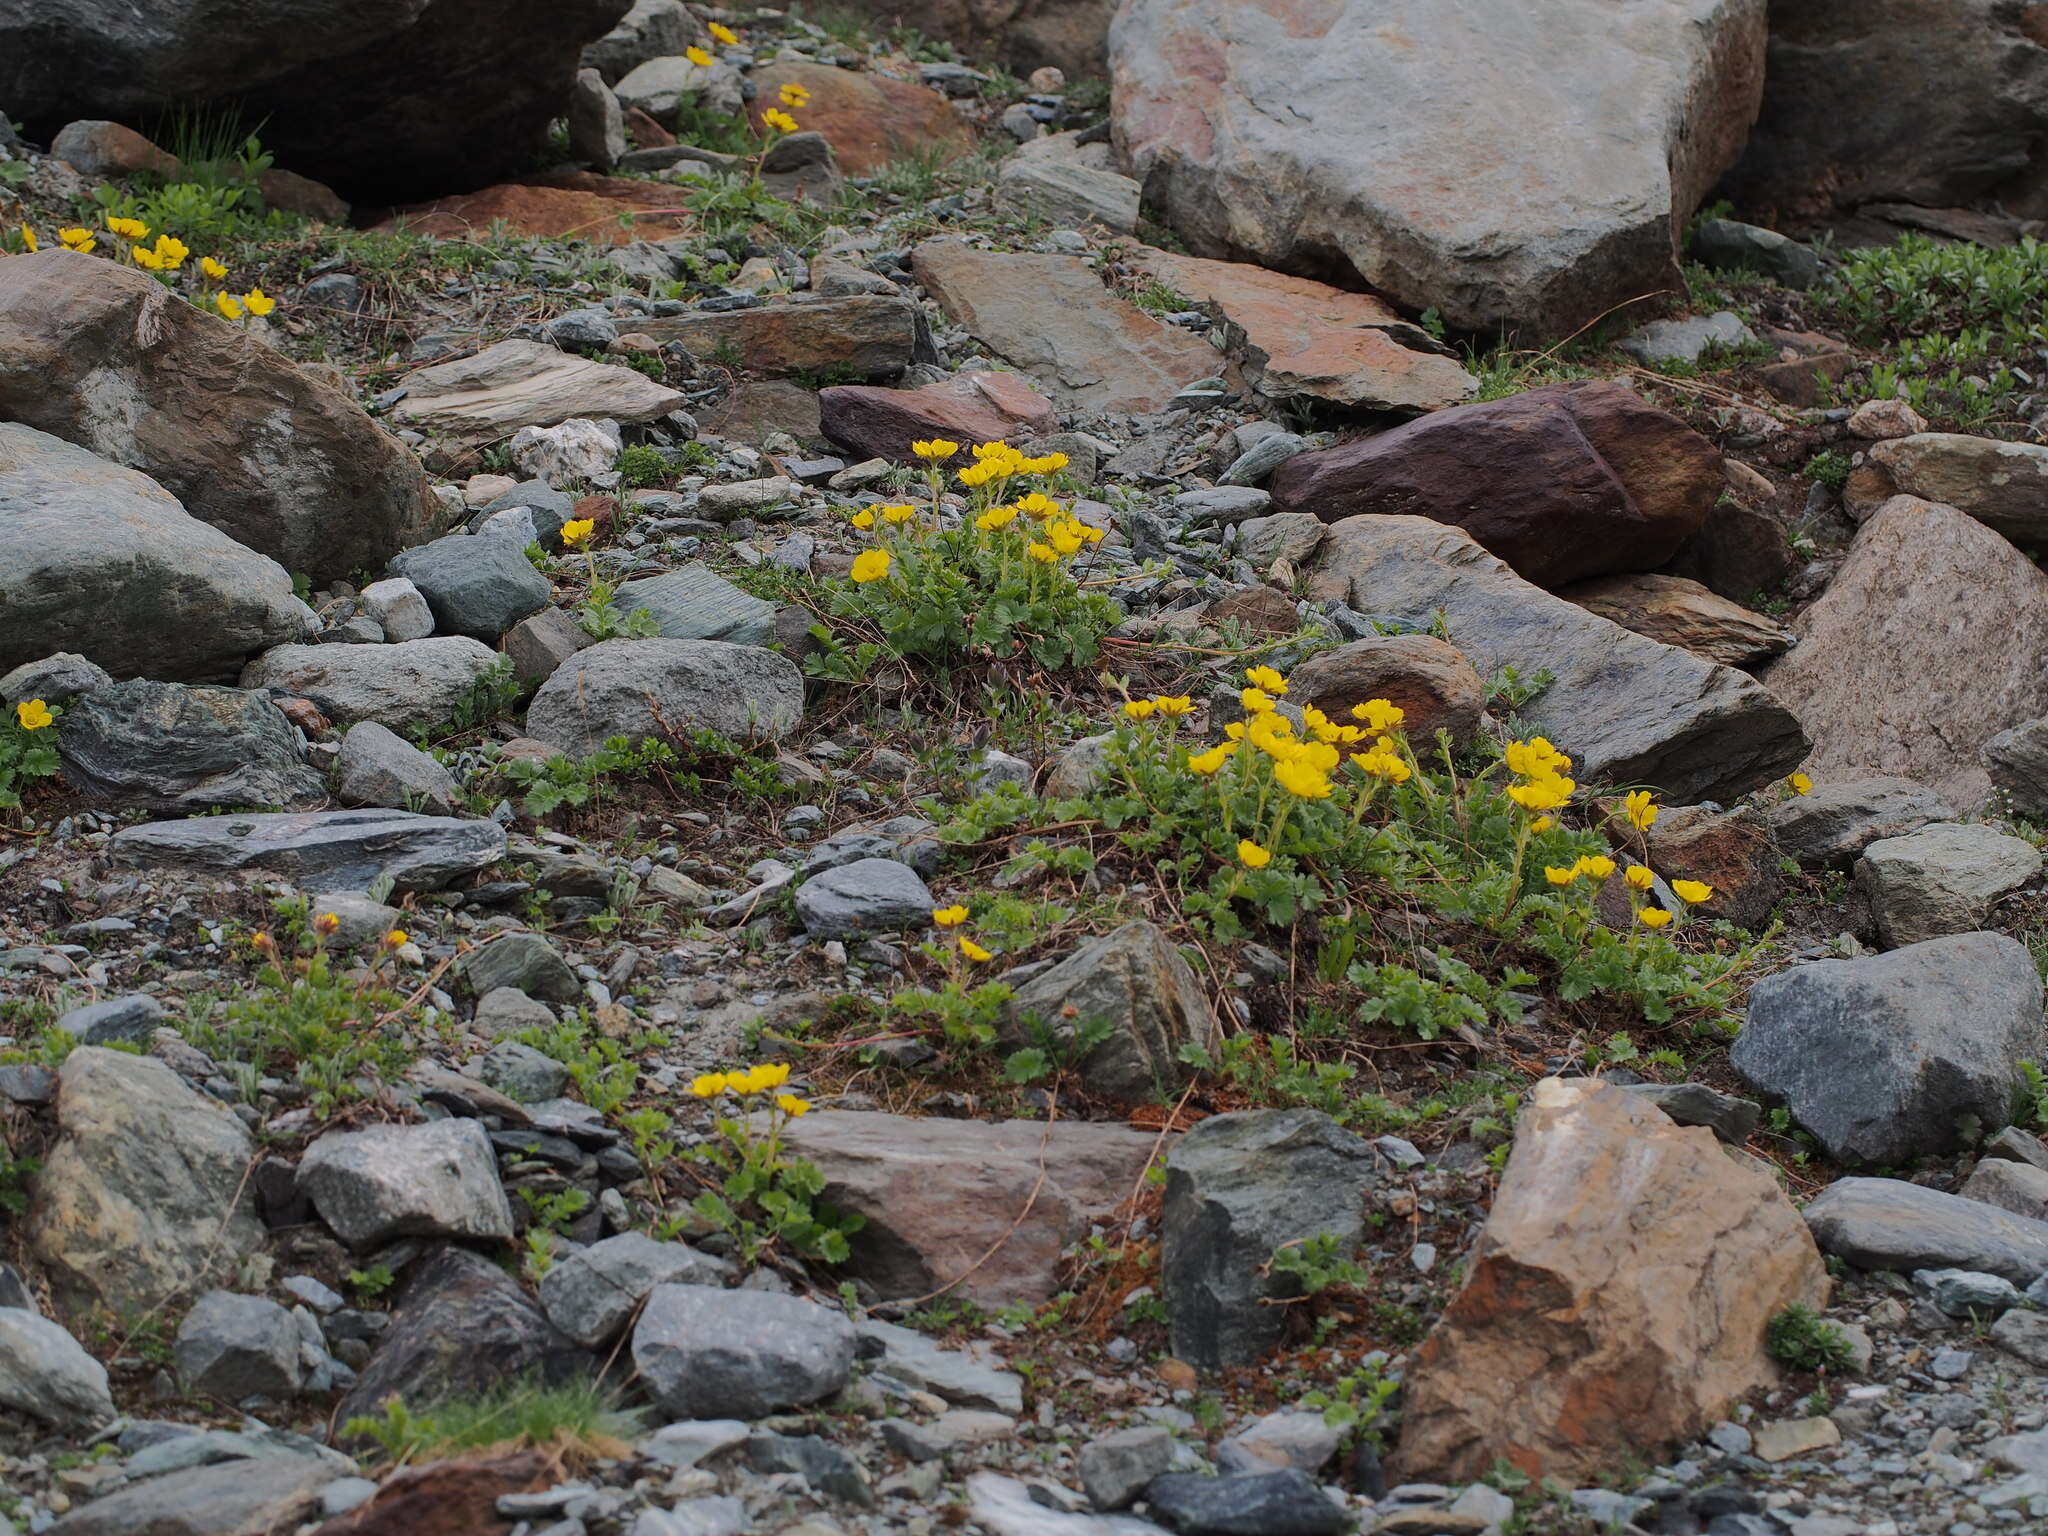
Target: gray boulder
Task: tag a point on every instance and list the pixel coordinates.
(1322, 144)
(476, 586)
(597, 126)
(395, 606)
(232, 1346)
(865, 896)
(1685, 340)
(145, 1194)
(1135, 982)
(1115, 1468)
(377, 766)
(1628, 709)
(439, 1179)
(2017, 761)
(346, 850)
(1892, 1056)
(54, 679)
(652, 29)
(1941, 879)
(1238, 1186)
(231, 1498)
(693, 602)
(522, 1073)
(46, 1374)
(593, 1294)
(2017, 1187)
(707, 1353)
(416, 684)
(133, 1019)
(168, 747)
(1829, 827)
(1889, 1224)
(1727, 245)
(2002, 485)
(663, 689)
(526, 962)
(104, 562)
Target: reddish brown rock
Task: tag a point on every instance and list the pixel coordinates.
(1258, 610)
(870, 119)
(605, 210)
(868, 333)
(1297, 338)
(1682, 613)
(1616, 1299)
(443, 1498)
(1426, 676)
(1564, 482)
(940, 1195)
(101, 149)
(1739, 552)
(757, 407)
(1732, 851)
(967, 408)
(645, 132)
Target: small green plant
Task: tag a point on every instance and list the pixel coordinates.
(765, 1195)
(28, 749)
(16, 1172)
(1354, 1402)
(1801, 1338)
(580, 1421)
(369, 1284)
(1829, 468)
(1317, 1264)
(492, 696)
(641, 466)
(549, 784)
(599, 1066)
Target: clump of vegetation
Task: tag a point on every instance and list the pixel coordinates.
(579, 1422)
(1802, 1339)
(765, 1194)
(28, 749)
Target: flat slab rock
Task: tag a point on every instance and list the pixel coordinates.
(1630, 710)
(1296, 337)
(870, 334)
(967, 408)
(1052, 317)
(1890, 1224)
(477, 400)
(342, 850)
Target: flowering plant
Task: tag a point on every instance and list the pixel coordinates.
(993, 582)
(28, 749)
(765, 1196)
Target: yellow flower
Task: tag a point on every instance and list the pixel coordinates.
(1540, 824)
(1066, 537)
(33, 714)
(212, 268)
(172, 251)
(1381, 764)
(996, 517)
(1038, 504)
(1049, 464)
(1139, 709)
(1534, 759)
(578, 529)
(1545, 794)
(975, 476)
(1379, 714)
(779, 120)
(1639, 876)
(1255, 701)
(794, 95)
(710, 1085)
(697, 56)
(720, 32)
(1268, 679)
(1251, 855)
(225, 303)
(1206, 763)
(1044, 554)
(326, 923)
(937, 448)
(1174, 704)
(1302, 781)
(791, 1105)
(872, 565)
(1653, 917)
(1642, 809)
(949, 917)
(128, 229)
(864, 519)
(395, 938)
(28, 240)
(145, 258)
(770, 1077)
(1694, 891)
(259, 303)
(1598, 866)
(974, 951)
(1557, 876)
(79, 240)
(902, 512)
(1801, 784)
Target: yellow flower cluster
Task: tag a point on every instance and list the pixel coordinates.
(953, 917)
(996, 462)
(779, 120)
(1540, 769)
(1167, 706)
(1058, 535)
(167, 254)
(1638, 877)
(754, 1080)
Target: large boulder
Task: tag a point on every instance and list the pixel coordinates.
(2003, 485)
(1563, 482)
(1887, 1057)
(1941, 879)
(407, 686)
(1936, 102)
(167, 747)
(1630, 710)
(383, 100)
(1133, 986)
(243, 1497)
(384, 1182)
(1922, 648)
(707, 1353)
(664, 690)
(102, 561)
(46, 1374)
(145, 1195)
(105, 356)
(1332, 141)
(949, 1202)
(1889, 1224)
(1616, 1300)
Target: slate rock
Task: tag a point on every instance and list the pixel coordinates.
(1115, 1468)
(1941, 879)
(396, 607)
(1882, 1057)
(54, 679)
(133, 1019)
(1286, 1503)
(1728, 246)
(870, 335)
(1427, 677)
(2017, 1187)
(664, 690)
(46, 1374)
(169, 747)
(2002, 485)
(378, 767)
(866, 896)
(968, 408)
(344, 849)
(704, 1352)
(476, 586)
(232, 1346)
(540, 644)
(437, 1179)
(471, 401)
(403, 687)
(693, 602)
(593, 1293)
(523, 1073)
(1686, 339)
(234, 1498)
(1237, 1187)
(1831, 825)
(526, 962)
(1728, 1117)
(1889, 1224)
